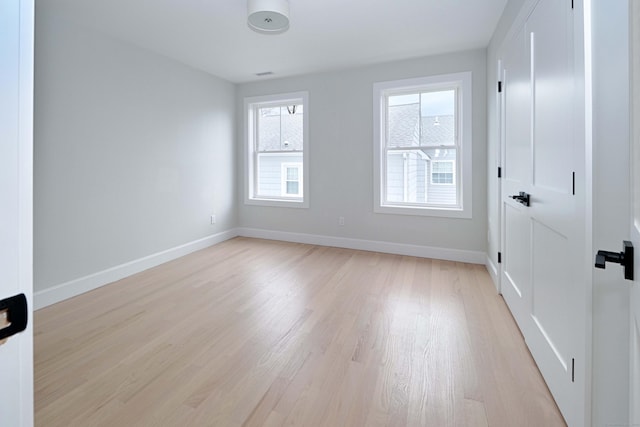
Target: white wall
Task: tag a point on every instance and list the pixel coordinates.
(341, 158)
(133, 152)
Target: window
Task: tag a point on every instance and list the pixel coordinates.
(277, 140)
(422, 138)
(291, 177)
(442, 172)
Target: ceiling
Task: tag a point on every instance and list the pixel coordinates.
(212, 35)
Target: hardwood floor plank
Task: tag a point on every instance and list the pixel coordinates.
(260, 333)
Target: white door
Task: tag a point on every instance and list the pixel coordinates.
(16, 129)
(634, 395)
(543, 242)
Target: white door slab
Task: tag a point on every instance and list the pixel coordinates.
(634, 356)
(16, 129)
(543, 242)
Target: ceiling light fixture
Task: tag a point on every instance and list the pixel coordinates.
(268, 16)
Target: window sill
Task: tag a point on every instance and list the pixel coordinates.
(278, 203)
(424, 211)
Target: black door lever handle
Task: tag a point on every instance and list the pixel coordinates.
(522, 197)
(624, 258)
(17, 315)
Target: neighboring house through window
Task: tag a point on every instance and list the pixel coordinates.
(422, 138)
(443, 172)
(291, 180)
(277, 140)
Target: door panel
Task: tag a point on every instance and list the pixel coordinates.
(553, 86)
(517, 115)
(550, 293)
(517, 269)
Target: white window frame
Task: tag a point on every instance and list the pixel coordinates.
(453, 171)
(284, 180)
(463, 170)
(251, 105)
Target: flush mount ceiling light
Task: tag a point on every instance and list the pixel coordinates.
(268, 16)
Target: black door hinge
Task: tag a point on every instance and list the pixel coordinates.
(499, 257)
(499, 172)
(573, 370)
(499, 87)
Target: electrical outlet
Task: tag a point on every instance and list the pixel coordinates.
(341, 221)
(213, 219)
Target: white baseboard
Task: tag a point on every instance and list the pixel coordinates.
(492, 268)
(84, 284)
(472, 257)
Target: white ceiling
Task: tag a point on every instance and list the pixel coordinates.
(212, 35)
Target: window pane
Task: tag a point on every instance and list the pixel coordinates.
(292, 174)
(438, 117)
(442, 178)
(395, 177)
(271, 174)
(292, 187)
(421, 119)
(406, 172)
(417, 176)
(280, 128)
(268, 129)
(442, 188)
(403, 128)
(291, 127)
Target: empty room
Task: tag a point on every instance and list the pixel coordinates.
(283, 212)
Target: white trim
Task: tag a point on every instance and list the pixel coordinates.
(525, 10)
(501, 126)
(250, 104)
(583, 33)
(460, 255)
(493, 272)
(463, 83)
(84, 284)
(93, 281)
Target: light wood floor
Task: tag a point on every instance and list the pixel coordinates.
(253, 332)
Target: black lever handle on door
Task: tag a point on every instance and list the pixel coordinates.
(16, 309)
(523, 198)
(625, 258)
